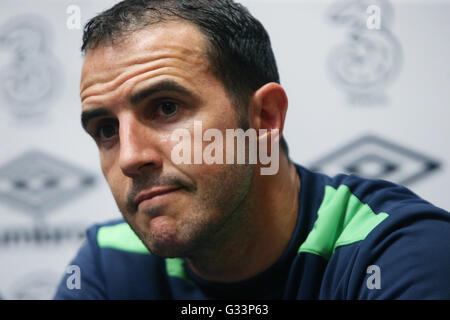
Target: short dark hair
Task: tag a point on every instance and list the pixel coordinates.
(238, 48)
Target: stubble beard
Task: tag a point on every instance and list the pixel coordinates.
(214, 217)
(217, 218)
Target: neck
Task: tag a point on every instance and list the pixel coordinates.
(260, 232)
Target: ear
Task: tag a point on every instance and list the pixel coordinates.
(268, 108)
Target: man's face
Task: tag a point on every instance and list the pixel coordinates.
(134, 95)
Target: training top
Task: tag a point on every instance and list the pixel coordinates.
(355, 238)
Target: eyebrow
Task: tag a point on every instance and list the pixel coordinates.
(87, 116)
(166, 85)
(135, 99)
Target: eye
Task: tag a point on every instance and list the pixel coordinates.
(106, 132)
(168, 108)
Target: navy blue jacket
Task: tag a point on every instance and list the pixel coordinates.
(355, 238)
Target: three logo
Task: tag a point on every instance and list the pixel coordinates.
(371, 56)
(29, 80)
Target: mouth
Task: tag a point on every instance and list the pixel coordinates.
(146, 196)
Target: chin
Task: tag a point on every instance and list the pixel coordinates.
(167, 243)
(167, 249)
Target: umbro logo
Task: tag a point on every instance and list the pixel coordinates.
(377, 158)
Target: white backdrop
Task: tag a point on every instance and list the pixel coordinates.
(373, 102)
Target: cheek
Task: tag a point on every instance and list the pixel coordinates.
(166, 144)
(204, 174)
(225, 116)
(116, 181)
(106, 162)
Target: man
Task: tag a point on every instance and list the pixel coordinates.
(224, 230)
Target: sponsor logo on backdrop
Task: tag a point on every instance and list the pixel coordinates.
(374, 157)
(370, 58)
(30, 75)
(37, 183)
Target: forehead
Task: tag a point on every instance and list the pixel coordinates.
(177, 43)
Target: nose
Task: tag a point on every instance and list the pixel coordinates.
(138, 147)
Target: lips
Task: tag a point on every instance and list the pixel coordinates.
(147, 195)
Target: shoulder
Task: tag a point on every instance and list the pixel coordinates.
(116, 234)
(111, 252)
(351, 207)
(380, 227)
(87, 262)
